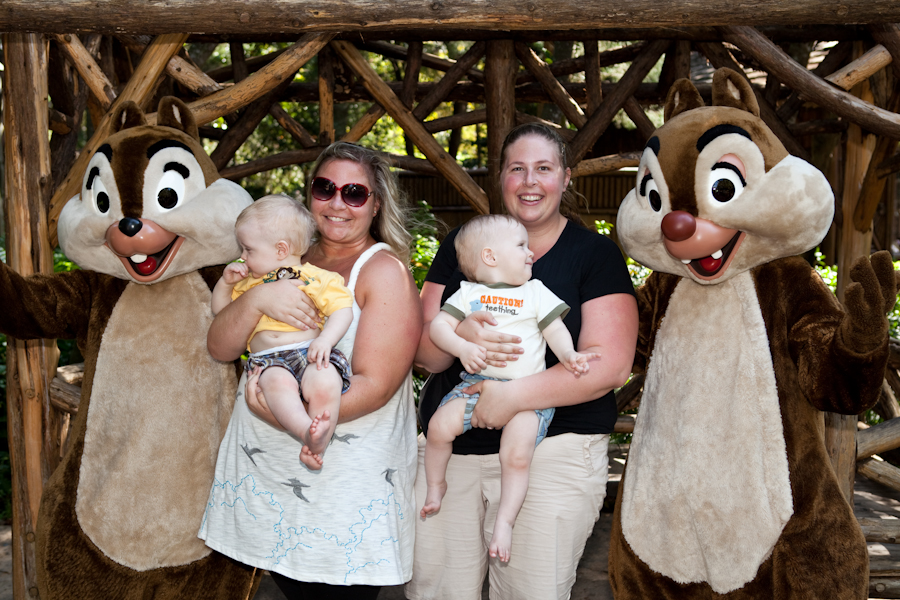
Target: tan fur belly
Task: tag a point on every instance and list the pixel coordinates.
(707, 491)
(159, 407)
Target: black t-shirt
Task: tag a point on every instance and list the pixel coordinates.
(581, 266)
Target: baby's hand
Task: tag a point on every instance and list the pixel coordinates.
(473, 357)
(577, 362)
(234, 272)
(319, 352)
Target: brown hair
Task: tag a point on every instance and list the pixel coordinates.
(568, 206)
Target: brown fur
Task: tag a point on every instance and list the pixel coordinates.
(154, 403)
(824, 356)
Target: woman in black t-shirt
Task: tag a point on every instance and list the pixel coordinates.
(568, 472)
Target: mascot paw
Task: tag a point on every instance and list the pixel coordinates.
(868, 298)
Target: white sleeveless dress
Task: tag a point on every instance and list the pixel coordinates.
(351, 523)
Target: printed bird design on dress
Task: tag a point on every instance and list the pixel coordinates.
(251, 451)
(297, 488)
(343, 438)
(387, 475)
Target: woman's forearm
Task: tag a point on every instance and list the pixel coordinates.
(230, 330)
(429, 356)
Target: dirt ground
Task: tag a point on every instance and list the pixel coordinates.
(871, 501)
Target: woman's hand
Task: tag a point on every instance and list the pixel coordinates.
(256, 401)
(493, 409)
(285, 301)
(501, 347)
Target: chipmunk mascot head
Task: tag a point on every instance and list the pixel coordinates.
(119, 517)
(729, 492)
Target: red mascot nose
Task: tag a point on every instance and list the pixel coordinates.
(678, 226)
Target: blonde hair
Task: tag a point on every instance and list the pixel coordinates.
(283, 218)
(568, 206)
(474, 236)
(389, 225)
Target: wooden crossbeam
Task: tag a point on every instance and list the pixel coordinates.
(427, 59)
(862, 68)
(294, 129)
(364, 124)
(880, 471)
(877, 439)
(603, 116)
(640, 119)
(776, 61)
(888, 35)
(87, 67)
(440, 90)
(836, 56)
(605, 164)
(299, 16)
(568, 66)
(180, 68)
(413, 127)
(561, 98)
(873, 185)
(139, 88)
(326, 96)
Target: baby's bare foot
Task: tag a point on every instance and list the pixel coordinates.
(320, 431)
(501, 541)
(313, 461)
(433, 498)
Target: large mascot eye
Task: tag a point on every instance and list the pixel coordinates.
(650, 191)
(727, 183)
(170, 190)
(101, 197)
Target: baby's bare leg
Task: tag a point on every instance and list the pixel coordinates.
(283, 398)
(322, 390)
(516, 451)
(444, 427)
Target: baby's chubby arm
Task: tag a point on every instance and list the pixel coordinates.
(443, 333)
(560, 341)
(335, 327)
(221, 295)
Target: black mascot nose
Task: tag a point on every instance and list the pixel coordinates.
(130, 226)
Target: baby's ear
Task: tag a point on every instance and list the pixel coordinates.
(282, 249)
(488, 256)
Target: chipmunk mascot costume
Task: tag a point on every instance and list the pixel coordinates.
(119, 517)
(728, 491)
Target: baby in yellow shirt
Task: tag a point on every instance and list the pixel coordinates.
(274, 233)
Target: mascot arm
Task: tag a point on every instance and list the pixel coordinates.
(653, 299)
(211, 275)
(841, 353)
(45, 306)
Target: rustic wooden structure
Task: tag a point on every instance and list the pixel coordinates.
(85, 57)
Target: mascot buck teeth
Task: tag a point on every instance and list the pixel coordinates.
(728, 491)
(119, 517)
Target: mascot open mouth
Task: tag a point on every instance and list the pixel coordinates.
(142, 265)
(708, 267)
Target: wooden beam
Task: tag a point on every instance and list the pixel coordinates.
(326, 96)
(64, 396)
(600, 120)
(676, 65)
(625, 424)
(274, 161)
(551, 84)
(299, 16)
(180, 68)
(888, 35)
(500, 102)
(836, 56)
(776, 61)
(569, 66)
(883, 587)
(364, 124)
(139, 88)
(872, 188)
(720, 57)
(427, 144)
(890, 165)
(640, 119)
(410, 83)
(877, 439)
(605, 164)
(428, 60)
(440, 90)
(455, 121)
(629, 395)
(884, 531)
(33, 447)
(241, 94)
(862, 68)
(819, 126)
(593, 85)
(87, 67)
(295, 129)
(880, 471)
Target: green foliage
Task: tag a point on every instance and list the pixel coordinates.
(425, 242)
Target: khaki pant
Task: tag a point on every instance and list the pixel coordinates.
(565, 493)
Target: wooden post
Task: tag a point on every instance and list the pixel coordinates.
(326, 97)
(500, 101)
(34, 451)
(840, 430)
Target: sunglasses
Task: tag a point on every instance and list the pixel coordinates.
(353, 194)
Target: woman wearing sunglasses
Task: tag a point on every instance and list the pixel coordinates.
(348, 529)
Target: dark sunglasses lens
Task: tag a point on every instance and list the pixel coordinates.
(323, 189)
(354, 194)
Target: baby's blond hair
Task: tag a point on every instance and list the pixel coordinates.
(474, 236)
(283, 218)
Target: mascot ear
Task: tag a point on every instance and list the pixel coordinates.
(174, 113)
(732, 89)
(682, 96)
(127, 115)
